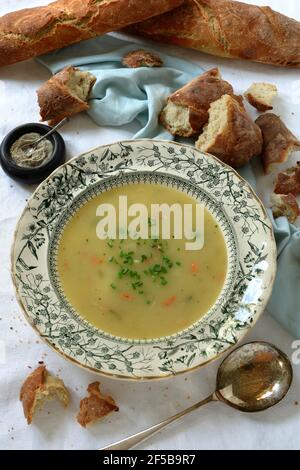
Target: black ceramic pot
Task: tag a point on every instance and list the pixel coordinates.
(31, 175)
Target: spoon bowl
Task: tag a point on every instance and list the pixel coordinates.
(254, 377)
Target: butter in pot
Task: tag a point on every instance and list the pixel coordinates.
(22, 155)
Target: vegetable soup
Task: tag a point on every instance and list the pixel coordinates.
(140, 288)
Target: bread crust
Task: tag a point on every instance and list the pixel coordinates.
(55, 99)
(278, 141)
(259, 105)
(197, 96)
(28, 391)
(33, 31)
(239, 140)
(96, 406)
(229, 28)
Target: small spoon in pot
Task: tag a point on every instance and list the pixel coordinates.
(254, 377)
(30, 147)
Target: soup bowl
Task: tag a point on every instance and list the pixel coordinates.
(247, 231)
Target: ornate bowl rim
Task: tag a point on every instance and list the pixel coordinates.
(160, 144)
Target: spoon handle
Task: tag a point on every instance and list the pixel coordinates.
(136, 439)
(61, 123)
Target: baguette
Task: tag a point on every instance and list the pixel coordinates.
(230, 29)
(33, 31)
(186, 111)
(230, 134)
(65, 94)
(278, 141)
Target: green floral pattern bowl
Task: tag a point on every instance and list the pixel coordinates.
(247, 231)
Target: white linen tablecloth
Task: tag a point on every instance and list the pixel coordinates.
(141, 404)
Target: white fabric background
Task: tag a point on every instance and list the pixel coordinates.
(141, 404)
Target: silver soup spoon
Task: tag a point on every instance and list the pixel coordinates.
(254, 377)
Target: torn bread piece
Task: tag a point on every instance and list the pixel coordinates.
(230, 134)
(65, 94)
(278, 141)
(261, 96)
(141, 58)
(96, 406)
(285, 205)
(40, 387)
(288, 182)
(186, 111)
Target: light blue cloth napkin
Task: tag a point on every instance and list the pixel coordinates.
(122, 96)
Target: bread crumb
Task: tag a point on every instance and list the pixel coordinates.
(285, 205)
(39, 387)
(141, 58)
(261, 96)
(96, 406)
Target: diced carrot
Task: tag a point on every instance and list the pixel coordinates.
(169, 301)
(127, 296)
(194, 268)
(95, 261)
(66, 265)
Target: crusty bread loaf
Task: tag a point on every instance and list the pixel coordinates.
(278, 141)
(229, 28)
(261, 96)
(186, 111)
(39, 387)
(96, 406)
(34, 31)
(65, 94)
(230, 134)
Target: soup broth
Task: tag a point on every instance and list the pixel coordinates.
(143, 288)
